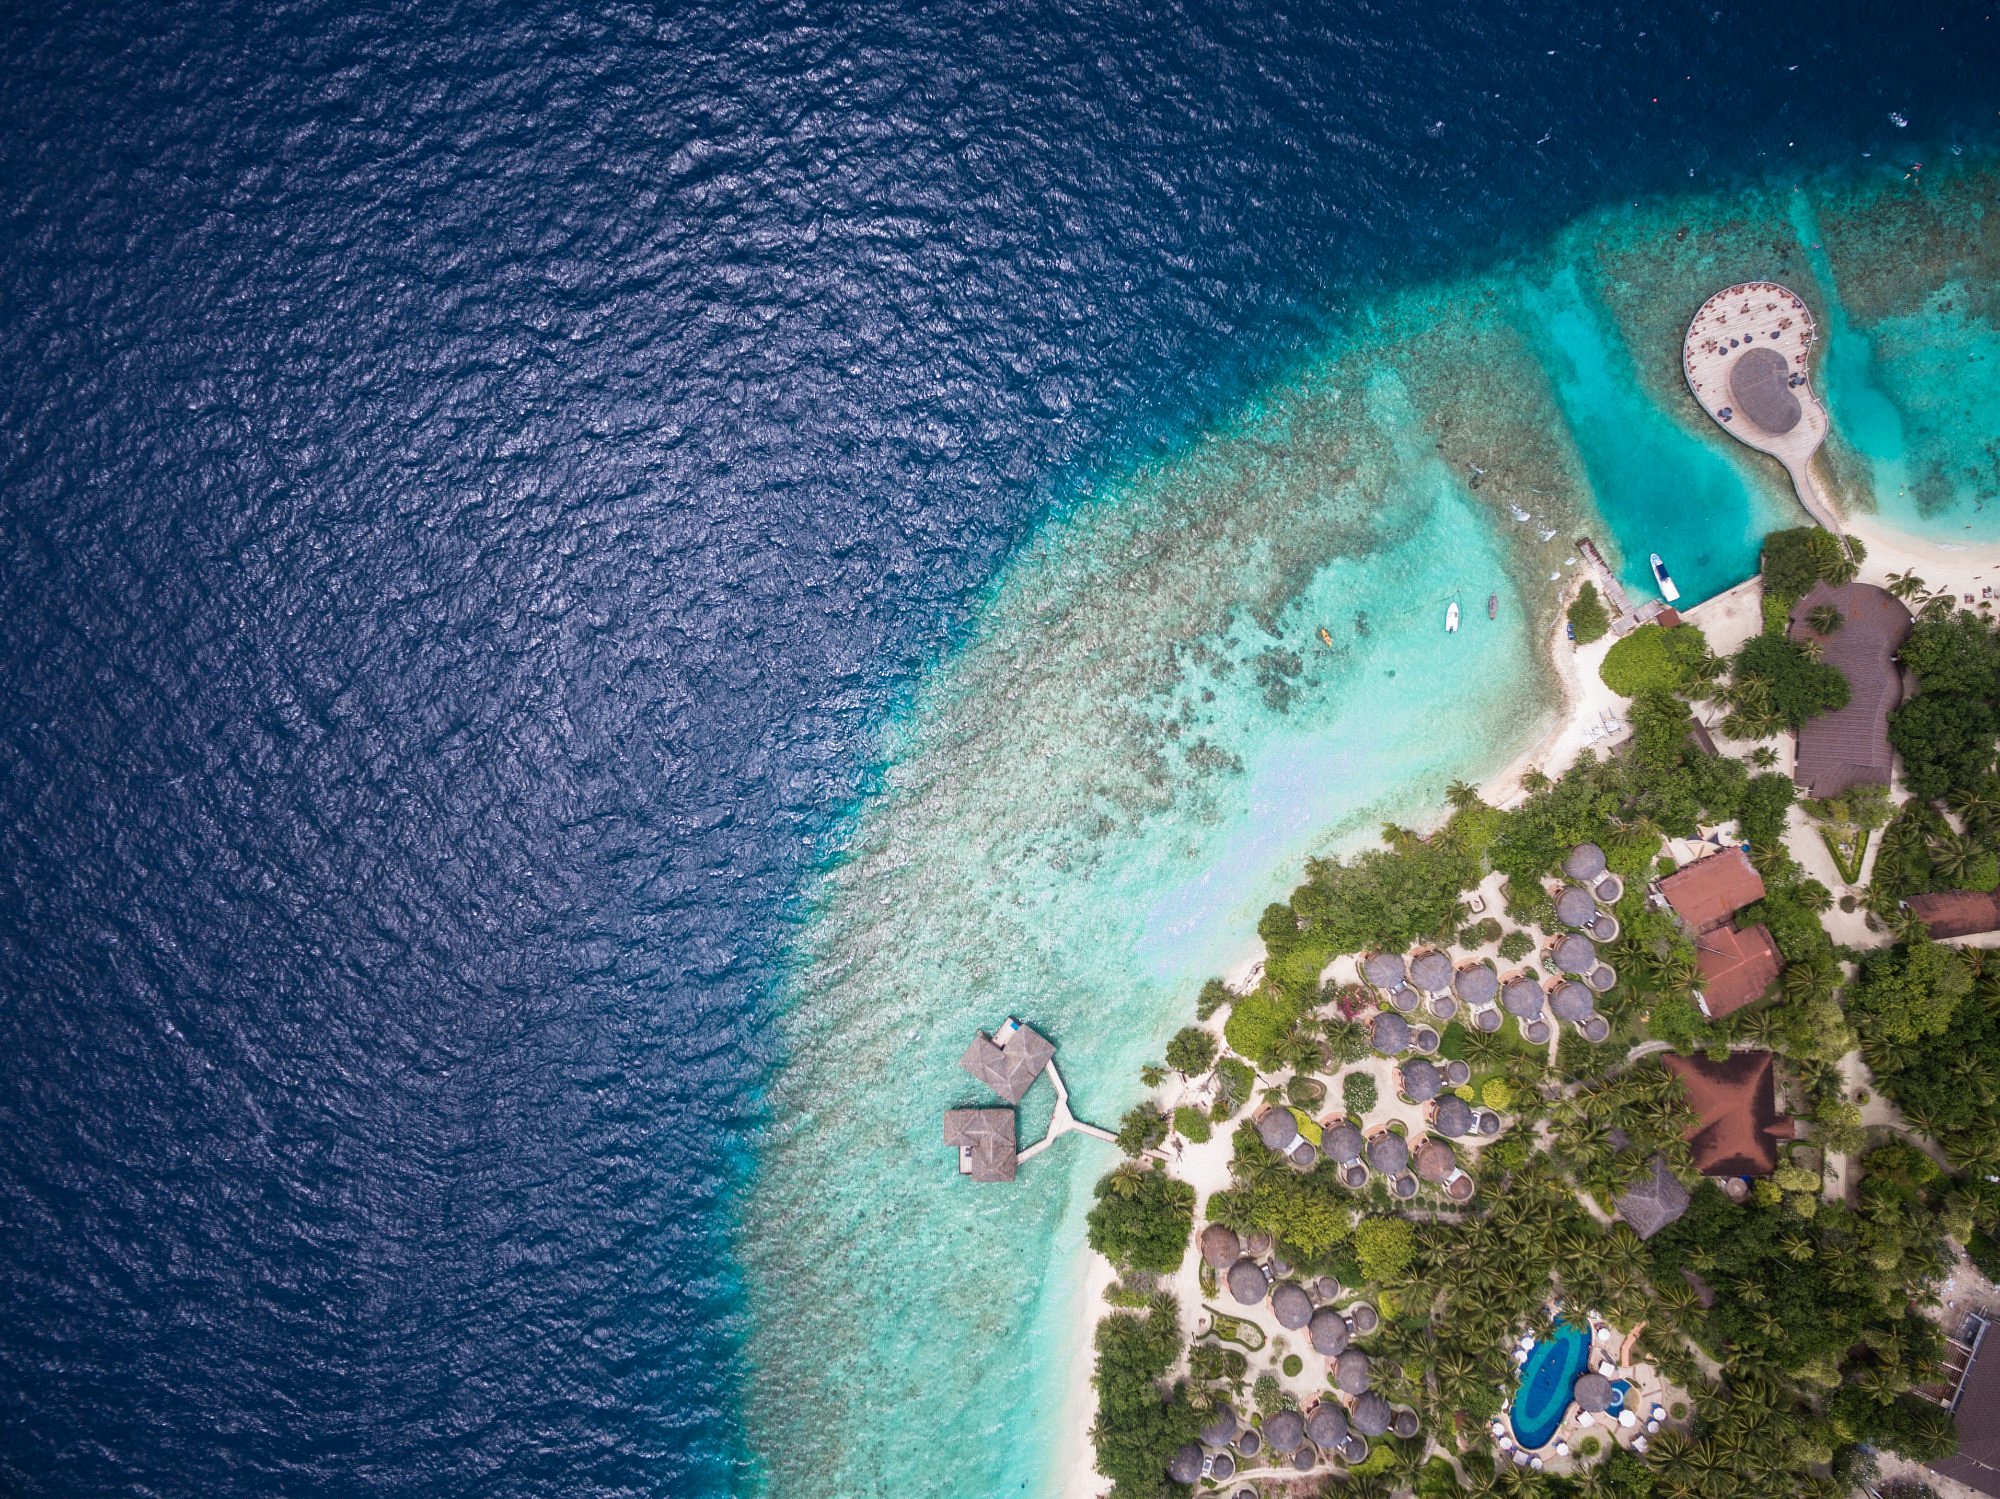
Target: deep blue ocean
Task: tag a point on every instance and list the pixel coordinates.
(475, 477)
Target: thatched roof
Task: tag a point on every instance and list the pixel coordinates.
(1186, 1465)
(1444, 1006)
(1008, 1070)
(1326, 1288)
(1350, 1372)
(1574, 954)
(1284, 1431)
(1435, 1160)
(1220, 1246)
(1353, 1451)
(1389, 1034)
(1222, 1467)
(1431, 971)
(1405, 1424)
(1522, 997)
(1585, 863)
(1536, 1032)
(1460, 1188)
(984, 1139)
(1247, 1283)
(1604, 929)
(1572, 1001)
(1596, 1030)
(1424, 1038)
(1593, 1392)
(1250, 1443)
(1457, 1073)
(1404, 999)
(1363, 1318)
(1221, 1428)
(1603, 978)
(1486, 1020)
(1341, 1141)
(1452, 1116)
(1355, 1175)
(1476, 984)
(1609, 889)
(1403, 1185)
(1574, 907)
(1326, 1426)
(1277, 1128)
(1290, 1304)
(1653, 1202)
(1420, 1080)
(1489, 1122)
(1372, 1414)
(1388, 1153)
(1328, 1331)
(1383, 969)
(1760, 387)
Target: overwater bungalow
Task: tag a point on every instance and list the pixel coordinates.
(1372, 1416)
(1523, 998)
(984, 1139)
(1389, 1034)
(1574, 953)
(1248, 1283)
(1572, 1002)
(1585, 863)
(1435, 1161)
(1350, 1372)
(1326, 1426)
(1452, 1116)
(1420, 1080)
(1574, 907)
(1341, 1142)
(1008, 1061)
(1291, 1305)
(1220, 1247)
(1383, 969)
(1388, 1153)
(1284, 1431)
(1475, 984)
(1430, 971)
(1328, 1331)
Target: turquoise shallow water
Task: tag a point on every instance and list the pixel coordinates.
(1083, 810)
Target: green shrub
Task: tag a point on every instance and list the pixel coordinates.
(1384, 1247)
(1140, 1422)
(1142, 1220)
(1497, 1095)
(1652, 659)
(1293, 1365)
(1234, 1080)
(1773, 677)
(1589, 620)
(1142, 1129)
(1257, 1023)
(1192, 1123)
(1192, 1051)
(1516, 945)
(1359, 1093)
(1214, 995)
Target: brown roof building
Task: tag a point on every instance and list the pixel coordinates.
(1975, 1407)
(1957, 913)
(1737, 1126)
(1849, 747)
(1709, 891)
(1010, 1062)
(1737, 966)
(985, 1142)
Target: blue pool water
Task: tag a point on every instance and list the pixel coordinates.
(1546, 1380)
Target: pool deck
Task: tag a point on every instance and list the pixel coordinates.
(1761, 314)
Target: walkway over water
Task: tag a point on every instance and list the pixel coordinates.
(1064, 1122)
(1746, 360)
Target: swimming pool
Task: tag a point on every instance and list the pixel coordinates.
(1546, 1380)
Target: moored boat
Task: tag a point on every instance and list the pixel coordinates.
(1324, 638)
(1492, 606)
(1451, 617)
(1667, 589)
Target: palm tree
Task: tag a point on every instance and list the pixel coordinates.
(1152, 1074)
(1534, 780)
(1813, 648)
(1825, 618)
(1907, 585)
(1763, 757)
(1127, 1179)
(1937, 608)
(1801, 982)
(1462, 794)
(1951, 855)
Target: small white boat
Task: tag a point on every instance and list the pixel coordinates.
(1667, 590)
(1451, 618)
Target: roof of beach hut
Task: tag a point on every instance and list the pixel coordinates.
(1424, 1038)
(1220, 1246)
(1404, 999)
(1257, 1244)
(1486, 1020)
(1609, 889)
(1326, 1288)
(1431, 971)
(1602, 978)
(1250, 1443)
(1585, 862)
(1350, 1371)
(1221, 1428)
(1388, 1153)
(1290, 1304)
(1305, 1459)
(1574, 953)
(1328, 1331)
(1475, 983)
(1403, 1185)
(1572, 1001)
(1372, 1414)
(1363, 1318)
(1522, 997)
(1489, 1122)
(1283, 1431)
(1574, 907)
(1604, 929)
(1389, 1034)
(1186, 1465)
(1435, 1160)
(1383, 969)
(1405, 1424)
(1443, 1006)
(1536, 1031)
(1277, 1128)
(1327, 1425)
(1222, 1466)
(1593, 1392)
(1460, 1188)
(1341, 1142)
(1457, 1073)
(1421, 1081)
(1355, 1175)
(1596, 1030)
(1247, 1283)
(1452, 1116)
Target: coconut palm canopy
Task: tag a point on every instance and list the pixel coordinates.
(1327, 1425)
(1389, 1034)
(1585, 863)
(1435, 1160)
(1476, 984)
(1221, 1428)
(1572, 1001)
(1277, 1128)
(1383, 969)
(1431, 972)
(1341, 1142)
(1350, 1372)
(1220, 1246)
(1328, 1331)
(1522, 997)
(1290, 1304)
(1593, 1392)
(1421, 1081)
(1247, 1283)
(1284, 1431)
(1453, 1116)
(1186, 1465)
(1575, 954)
(1574, 907)
(1387, 1153)
(1372, 1414)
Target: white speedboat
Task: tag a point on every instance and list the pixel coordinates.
(1667, 590)
(1451, 618)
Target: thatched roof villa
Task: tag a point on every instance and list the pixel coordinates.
(1388, 1153)
(1220, 1247)
(1574, 953)
(1420, 1080)
(1328, 1331)
(1574, 907)
(1572, 1002)
(1452, 1116)
(1010, 1062)
(1522, 998)
(1430, 971)
(1350, 1372)
(1383, 969)
(984, 1139)
(1435, 1161)
(1850, 746)
(1585, 863)
(1371, 1416)
(1341, 1142)
(1291, 1305)
(1592, 1392)
(1654, 1201)
(1326, 1426)
(1277, 1129)
(1389, 1034)
(1186, 1465)
(1248, 1283)
(1221, 1428)
(1476, 984)
(1284, 1431)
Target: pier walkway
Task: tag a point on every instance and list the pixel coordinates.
(1064, 1122)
